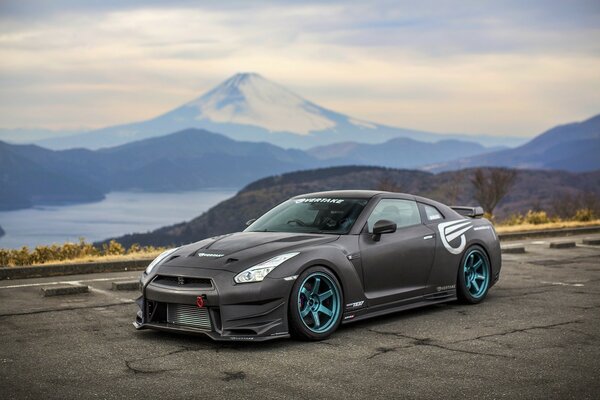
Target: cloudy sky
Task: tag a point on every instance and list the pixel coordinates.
(505, 67)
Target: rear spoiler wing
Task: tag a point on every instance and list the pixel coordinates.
(472, 212)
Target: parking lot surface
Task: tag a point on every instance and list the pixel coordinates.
(537, 335)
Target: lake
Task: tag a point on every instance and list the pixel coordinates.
(120, 213)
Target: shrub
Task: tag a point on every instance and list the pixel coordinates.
(113, 248)
(42, 254)
(514, 219)
(87, 249)
(584, 214)
(5, 257)
(134, 248)
(22, 256)
(536, 217)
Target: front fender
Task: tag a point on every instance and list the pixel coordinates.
(333, 257)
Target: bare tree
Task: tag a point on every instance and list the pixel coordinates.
(567, 205)
(388, 185)
(491, 188)
(453, 188)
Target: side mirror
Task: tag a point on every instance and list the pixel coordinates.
(250, 221)
(383, 226)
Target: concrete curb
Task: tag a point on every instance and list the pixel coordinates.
(549, 233)
(513, 250)
(126, 285)
(562, 245)
(41, 271)
(64, 290)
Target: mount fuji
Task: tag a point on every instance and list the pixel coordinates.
(249, 107)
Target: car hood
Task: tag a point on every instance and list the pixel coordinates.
(238, 251)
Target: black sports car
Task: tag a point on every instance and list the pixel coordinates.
(319, 260)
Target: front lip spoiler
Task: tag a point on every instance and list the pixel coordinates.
(213, 335)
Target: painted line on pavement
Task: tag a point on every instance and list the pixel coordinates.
(68, 282)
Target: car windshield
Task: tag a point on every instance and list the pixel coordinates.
(311, 215)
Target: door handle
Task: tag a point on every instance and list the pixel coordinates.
(426, 237)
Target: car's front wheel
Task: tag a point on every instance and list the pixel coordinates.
(473, 279)
(315, 304)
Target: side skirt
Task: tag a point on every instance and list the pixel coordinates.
(417, 302)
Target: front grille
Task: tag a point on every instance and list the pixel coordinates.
(183, 282)
(188, 315)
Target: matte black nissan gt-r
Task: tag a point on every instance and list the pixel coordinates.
(319, 260)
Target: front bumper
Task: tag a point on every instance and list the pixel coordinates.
(235, 312)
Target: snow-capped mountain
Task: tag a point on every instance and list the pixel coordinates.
(249, 107)
(249, 99)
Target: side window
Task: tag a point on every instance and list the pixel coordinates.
(402, 212)
(432, 213)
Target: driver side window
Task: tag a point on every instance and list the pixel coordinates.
(402, 212)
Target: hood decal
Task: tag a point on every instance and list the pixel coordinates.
(452, 230)
(212, 255)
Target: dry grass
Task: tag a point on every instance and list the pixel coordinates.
(109, 258)
(550, 225)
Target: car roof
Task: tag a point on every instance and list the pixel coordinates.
(356, 194)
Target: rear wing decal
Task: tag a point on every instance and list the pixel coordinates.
(472, 212)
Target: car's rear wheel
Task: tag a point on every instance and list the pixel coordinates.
(473, 279)
(315, 304)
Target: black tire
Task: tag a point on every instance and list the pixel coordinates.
(465, 290)
(298, 328)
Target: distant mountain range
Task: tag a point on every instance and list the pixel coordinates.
(396, 153)
(187, 160)
(32, 135)
(195, 159)
(248, 107)
(27, 181)
(573, 147)
(532, 189)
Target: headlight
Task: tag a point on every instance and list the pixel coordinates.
(258, 272)
(160, 259)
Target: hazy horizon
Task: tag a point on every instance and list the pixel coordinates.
(497, 69)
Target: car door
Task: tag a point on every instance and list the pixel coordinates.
(396, 265)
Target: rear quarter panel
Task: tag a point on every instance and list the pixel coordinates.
(448, 260)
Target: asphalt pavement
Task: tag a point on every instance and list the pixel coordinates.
(537, 335)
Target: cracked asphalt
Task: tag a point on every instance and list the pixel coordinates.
(537, 335)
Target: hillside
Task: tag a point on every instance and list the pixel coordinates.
(532, 189)
(573, 147)
(396, 153)
(249, 107)
(27, 182)
(187, 160)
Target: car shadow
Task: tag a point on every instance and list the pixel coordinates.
(200, 341)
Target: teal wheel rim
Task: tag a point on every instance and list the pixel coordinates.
(477, 273)
(319, 302)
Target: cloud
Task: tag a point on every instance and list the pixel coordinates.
(484, 67)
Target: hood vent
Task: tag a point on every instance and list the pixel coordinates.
(292, 239)
(172, 258)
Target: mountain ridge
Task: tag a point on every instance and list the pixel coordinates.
(574, 146)
(396, 153)
(188, 160)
